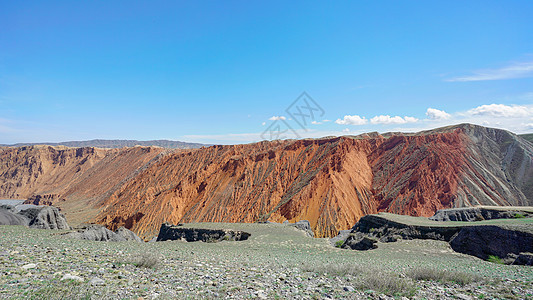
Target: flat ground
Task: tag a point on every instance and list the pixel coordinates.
(275, 262)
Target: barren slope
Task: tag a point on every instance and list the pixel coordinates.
(74, 179)
(331, 182)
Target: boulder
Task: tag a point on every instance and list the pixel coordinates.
(172, 232)
(359, 241)
(45, 217)
(128, 235)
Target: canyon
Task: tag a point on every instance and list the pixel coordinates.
(332, 181)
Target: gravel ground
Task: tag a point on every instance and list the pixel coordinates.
(276, 262)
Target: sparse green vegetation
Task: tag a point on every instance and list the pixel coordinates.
(339, 244)
(519, 216)
(495, 259)
(277, 260)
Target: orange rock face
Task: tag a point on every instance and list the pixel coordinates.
(331, 182)
(74, 179)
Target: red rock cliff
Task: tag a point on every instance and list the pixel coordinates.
(330, 182)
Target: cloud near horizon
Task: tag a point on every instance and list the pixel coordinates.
(386, 119)
(352, 120)
(277, 118)
(435, 114)
(517, 70)
(501, 110)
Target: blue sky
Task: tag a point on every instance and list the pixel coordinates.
(225, 71)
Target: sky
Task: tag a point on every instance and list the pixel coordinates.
(242, 71)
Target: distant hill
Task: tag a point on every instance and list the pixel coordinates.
(119, 144)
(527, 137)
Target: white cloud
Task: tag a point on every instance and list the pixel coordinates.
(276, 118)
(501, 110)
(316, 123)
(392, 120)
(346, 130)
(352, 120)
(517, 70)
(435, 114)
(264, 123)
(326, 120)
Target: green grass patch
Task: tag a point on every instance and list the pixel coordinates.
(495, 260)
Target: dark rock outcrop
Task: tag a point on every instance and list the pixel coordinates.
(172, 232)
(510, 240)
(524, 258)
(473, 214)
(359, 241)
(44, 199)
(387, 230)
(99, 233)
(483, 241)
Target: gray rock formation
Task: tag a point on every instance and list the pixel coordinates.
(43, 217)
(359, 241)
(8, 216)
(99, 233)
(172, 232)
(472, 214)
(341, 237)
(303, 225)
(128, 235)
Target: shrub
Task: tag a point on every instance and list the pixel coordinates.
(424, 273)
(495, 259)
(339, 244)
(519, 216)
(145, 260)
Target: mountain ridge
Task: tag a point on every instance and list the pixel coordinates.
(332, 182)
(102, 143)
